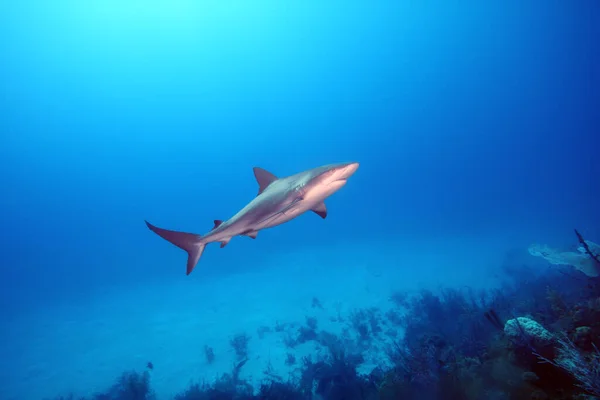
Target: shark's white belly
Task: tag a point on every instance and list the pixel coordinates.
(247, 220)
(283, 217)
(310, 200)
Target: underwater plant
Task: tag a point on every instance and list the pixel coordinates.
(240, 345)
(587, 248)
(290, 359)
(209, 354)
(534, 336)
(129, 386)
(308, 331)
(584, 368)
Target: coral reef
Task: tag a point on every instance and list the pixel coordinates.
(585, 259)
(534, 337)
(523, 328)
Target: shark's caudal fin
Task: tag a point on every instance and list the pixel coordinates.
(189, 242)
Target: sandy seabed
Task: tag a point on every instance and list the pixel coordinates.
(82, 348)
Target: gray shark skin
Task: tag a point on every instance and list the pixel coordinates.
(278, 201)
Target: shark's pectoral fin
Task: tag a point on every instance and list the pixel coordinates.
(320, 209)
(218, 222)
(251, 234)
(264, 178)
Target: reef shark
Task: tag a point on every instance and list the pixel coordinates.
(279, 200)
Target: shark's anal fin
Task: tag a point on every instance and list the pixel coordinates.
(320, 209)
(218, 222)
(251, 234)
(264, 178)
(224, 242)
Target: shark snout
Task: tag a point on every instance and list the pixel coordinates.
(336, 172)
(349, 169)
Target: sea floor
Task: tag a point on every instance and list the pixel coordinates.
(82, 348)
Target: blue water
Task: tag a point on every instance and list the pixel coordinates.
(469, 119)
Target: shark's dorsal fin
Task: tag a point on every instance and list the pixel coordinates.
(320, 209)
(218, 222)
(264, 178)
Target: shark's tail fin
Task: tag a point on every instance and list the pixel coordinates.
(190, 242)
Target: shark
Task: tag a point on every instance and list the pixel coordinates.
(279, 200)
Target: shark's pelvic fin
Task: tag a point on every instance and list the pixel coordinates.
(264, 178)
(320, 209)
(251, 234)
(218, 223)
(190, 242)
(224, 242)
